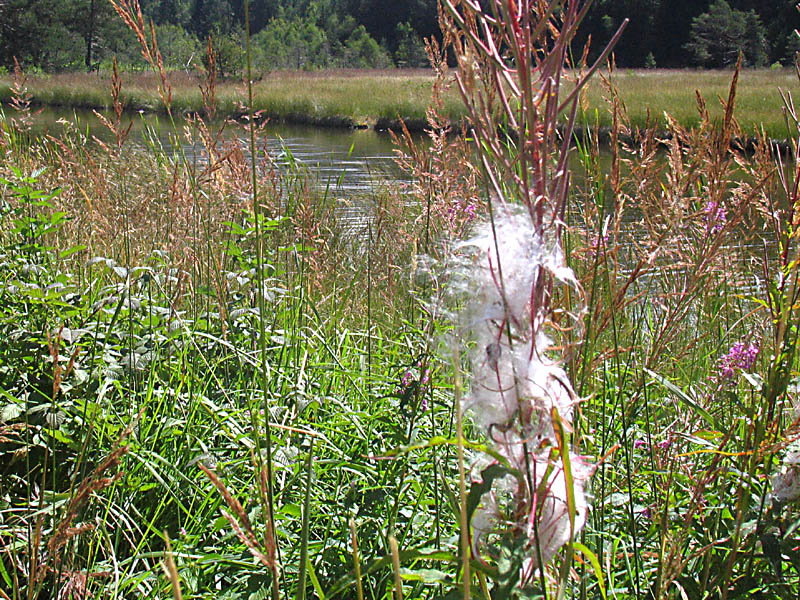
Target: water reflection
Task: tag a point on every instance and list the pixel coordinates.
(346, 162)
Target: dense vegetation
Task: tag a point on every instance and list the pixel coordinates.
(312, 34)
(309, 34)
(503, 381)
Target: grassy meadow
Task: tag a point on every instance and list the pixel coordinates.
(649, 93)
(501, 382)
(359, 98)
(338, 98)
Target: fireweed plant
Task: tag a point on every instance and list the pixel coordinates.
(520, 396)
(512, 60)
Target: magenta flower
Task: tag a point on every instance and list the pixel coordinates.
(639, 444)
(738, 358)
(425, 377)
(413, 387)
(598, 246)
(462, 211)
(407, 377)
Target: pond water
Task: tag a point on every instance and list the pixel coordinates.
(350, 161)
(351, 164)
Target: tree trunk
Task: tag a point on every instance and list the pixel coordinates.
(90, 36)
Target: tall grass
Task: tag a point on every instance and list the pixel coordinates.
(650, 95)
(165, 320)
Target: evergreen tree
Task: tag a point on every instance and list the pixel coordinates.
(410, 47)
(361, 51)
(179, 48)
(74, 34)
(211, 17)
(719, 35)
(641, 35)
(380, 18)
(291, 44)
(172, 12)
(60, 34)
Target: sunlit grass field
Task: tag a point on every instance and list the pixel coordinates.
(331, 98)
(651, 93)
(364, 98)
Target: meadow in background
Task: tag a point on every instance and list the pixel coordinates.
(381, 98)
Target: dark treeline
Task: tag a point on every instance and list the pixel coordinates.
(703, 33)
(55, 35)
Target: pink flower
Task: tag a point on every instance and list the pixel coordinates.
(598, 246)
(407, 377)
(739, 357)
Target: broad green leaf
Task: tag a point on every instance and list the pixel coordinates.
(682, 396)
(425, 575)
(592, 558)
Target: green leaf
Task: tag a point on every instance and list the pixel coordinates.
(682, 396)
(59, 436)
(448, 492)
(405, 556)
(478, 489)
(236, 229)
(592, 558)
(314, 580)
(754, 379)
(425, 575)
(292, 510)
(563, 448)
(71, 251)
(6, 577)
(11, 410)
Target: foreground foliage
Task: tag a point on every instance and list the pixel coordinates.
(213, 385)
